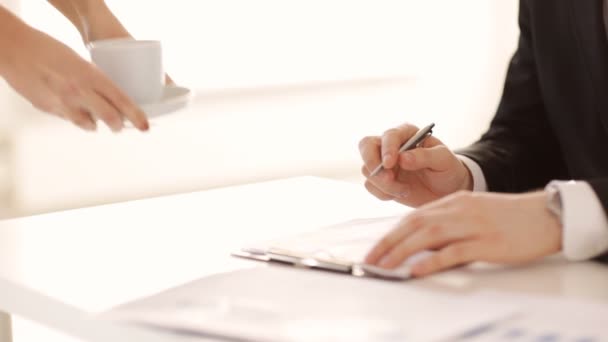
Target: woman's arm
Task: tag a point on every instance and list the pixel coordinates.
(93, 19)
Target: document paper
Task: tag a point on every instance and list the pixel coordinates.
(346, 243)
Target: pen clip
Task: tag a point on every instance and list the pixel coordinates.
(419, 144)
(413, 142)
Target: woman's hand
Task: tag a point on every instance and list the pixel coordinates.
(58, 81)
(415, 177)
(466, 227)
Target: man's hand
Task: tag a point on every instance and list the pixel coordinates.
(415, 177)
(58, 81)
(466, 227)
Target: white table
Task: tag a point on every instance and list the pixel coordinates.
(58, 267)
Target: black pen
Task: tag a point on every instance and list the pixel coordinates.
(410, 144)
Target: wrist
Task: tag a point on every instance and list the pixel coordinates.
(88, 8)
(467, 183)
(102, 23)
(12, 31)
(539, 202)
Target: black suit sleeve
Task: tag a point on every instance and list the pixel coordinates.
(519, 152)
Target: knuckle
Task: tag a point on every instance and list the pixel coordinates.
(385, 243)
(69, 89)
(435, 262)
(377, 193)
(122, 101)
(456, 253)
(422, 153)
(408, 126)
(464, 197)
(416, 220)
(384, 197)
(365, 142)
(435, 231)
(47, 106)
(111, 119)
(77, 119)
(494, 236)
(390, 131)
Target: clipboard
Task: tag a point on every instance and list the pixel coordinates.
(298, 260)
(369, 231)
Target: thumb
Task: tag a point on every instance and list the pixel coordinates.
(437, 158)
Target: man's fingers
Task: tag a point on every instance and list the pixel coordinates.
(438, 231)
(123, 104)
(385, 185)
(455, 254)
(438, 158)
(369, 148)
(377, 192)
(403, 229)
(392, 141)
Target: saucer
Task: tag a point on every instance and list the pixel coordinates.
(174, 98)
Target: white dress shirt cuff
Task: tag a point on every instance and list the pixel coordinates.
(479, 180)
(584, 222)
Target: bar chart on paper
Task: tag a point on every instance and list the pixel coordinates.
(544, 319)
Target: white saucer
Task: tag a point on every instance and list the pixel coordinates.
(174, 98)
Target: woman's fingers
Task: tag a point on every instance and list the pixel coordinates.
(99, 107)
(77, 116)
(122, 104)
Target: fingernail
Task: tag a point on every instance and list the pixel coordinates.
(407, 157)
(385, 262)
(386, 158)
(145, 126)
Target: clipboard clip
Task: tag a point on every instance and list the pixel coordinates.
(324, 261)
(319, 262)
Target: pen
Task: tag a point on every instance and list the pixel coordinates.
(410, 144)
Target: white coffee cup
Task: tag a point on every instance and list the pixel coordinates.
(135, 66)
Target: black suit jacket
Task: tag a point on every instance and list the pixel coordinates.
(552, 121)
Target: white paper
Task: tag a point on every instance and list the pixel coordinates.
(278, 303)
(347, 242)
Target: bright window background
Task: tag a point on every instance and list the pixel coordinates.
(284, 88)
(239, 43)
